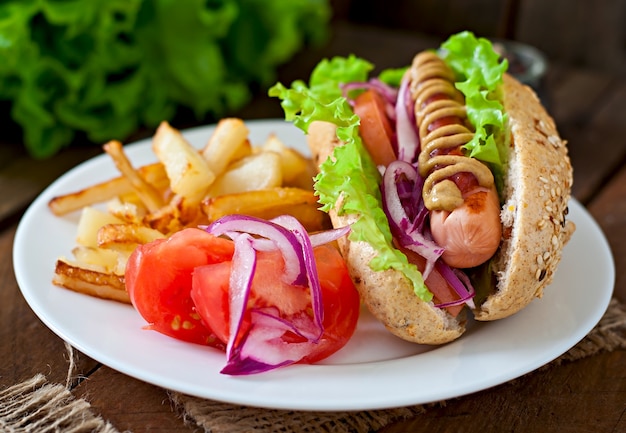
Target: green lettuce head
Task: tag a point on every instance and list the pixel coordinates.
(104, 68)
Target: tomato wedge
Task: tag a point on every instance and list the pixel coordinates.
(212, 302)
(158, 280)
(442, 291)
(375, 128)
(341, 302)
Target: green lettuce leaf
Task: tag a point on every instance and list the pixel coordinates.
(479, 70)
(392, 76)
(104, 68)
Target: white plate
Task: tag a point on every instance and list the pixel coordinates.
(375, 370)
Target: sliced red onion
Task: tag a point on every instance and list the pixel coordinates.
(263, 349)
(406, 130)
(328, 236)
(295, 272)
(295, 227)
(388, 92)
(459, 282)
(407, 231)
(244, 266)
(395, 173)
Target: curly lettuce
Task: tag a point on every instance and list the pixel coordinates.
(479, 70)
(104, 68)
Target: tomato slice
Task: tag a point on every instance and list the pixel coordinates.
(375, 128)
(442, 291)
(341, 303)
(158, 279)
(340, 299)
(211, 300)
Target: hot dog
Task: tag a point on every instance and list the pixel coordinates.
(459, 191)
(457, 196)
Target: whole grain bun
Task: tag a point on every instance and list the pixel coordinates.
(537, 189)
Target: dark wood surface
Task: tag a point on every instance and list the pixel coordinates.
(579, 32)
(581, 396)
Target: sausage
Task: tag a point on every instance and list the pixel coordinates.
(471, 233)
(458, 191)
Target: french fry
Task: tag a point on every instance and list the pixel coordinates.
(257, 171)
(65, 204)
(91, 219)
(126, 209)
(148, 194)
(90, 282)
(244, 150)
(176, 215)
(268, 204)
(153, 174)
(187, 212)
(228, 139)
(189, 173)
(124, 236)
(101, 259)
(298, 171)
(165, 220)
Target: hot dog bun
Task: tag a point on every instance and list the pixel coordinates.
(537, 191)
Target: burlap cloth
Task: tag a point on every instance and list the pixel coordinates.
(38, 406)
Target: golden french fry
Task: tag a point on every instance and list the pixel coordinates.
(179, 213)
(91, 219)
(244, 150)
(109, 260)
(154, 174)
(229, 137)
(267, 204)
(67, 203)
(127, 210)
(90, 282)
(256, 201)
(124, 236)
(298, 171)
(102, 259)
(313, 219)
(187, 212)
(257, 171)
(148, 194)
(165, 220)
(189, 173)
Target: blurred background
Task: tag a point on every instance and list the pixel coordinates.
(76, 72)
(578, 32)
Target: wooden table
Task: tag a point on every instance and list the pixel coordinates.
(586, 395)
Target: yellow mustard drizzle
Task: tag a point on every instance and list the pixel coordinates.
(431, 77)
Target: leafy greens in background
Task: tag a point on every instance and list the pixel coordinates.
(107, 67)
